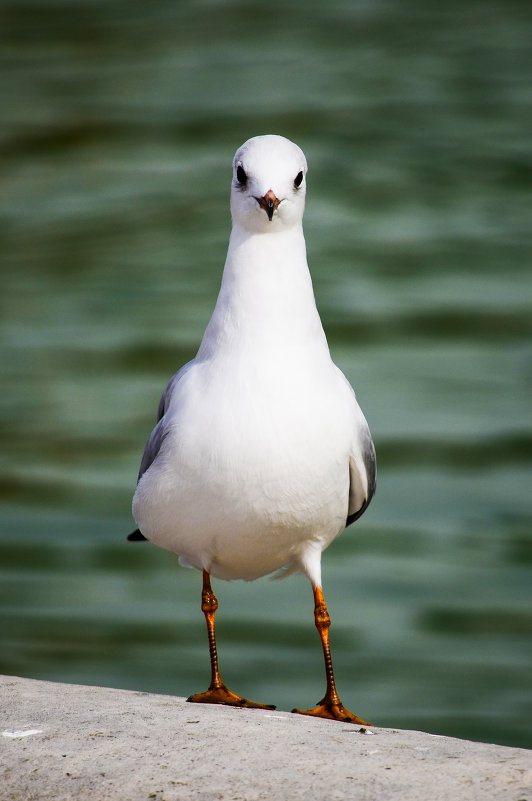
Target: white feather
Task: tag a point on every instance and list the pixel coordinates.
(262, 459)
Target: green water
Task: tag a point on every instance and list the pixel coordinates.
(119, 123)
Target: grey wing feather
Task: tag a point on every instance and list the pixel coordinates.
(369, 460)
(156, 439)
(153, 446)
(165, 397)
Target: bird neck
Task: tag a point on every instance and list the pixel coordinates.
(266, 301)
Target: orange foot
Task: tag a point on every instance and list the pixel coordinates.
(332, 711)
(221, 695)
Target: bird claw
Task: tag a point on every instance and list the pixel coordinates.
(221, 695)
(332, 711)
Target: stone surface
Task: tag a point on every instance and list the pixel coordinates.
(61, 741)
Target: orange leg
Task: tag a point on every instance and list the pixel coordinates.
(217, 692)
(330, 706)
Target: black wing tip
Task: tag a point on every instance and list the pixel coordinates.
(136, 536)
(351, 518)
(355, 515)
(370, 463)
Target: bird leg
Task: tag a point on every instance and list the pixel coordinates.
(330, 705)
(217, 692)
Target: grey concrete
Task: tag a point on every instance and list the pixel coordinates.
(61, 741)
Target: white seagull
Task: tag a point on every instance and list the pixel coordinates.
(261, 455)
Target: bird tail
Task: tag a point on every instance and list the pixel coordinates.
(136, 536)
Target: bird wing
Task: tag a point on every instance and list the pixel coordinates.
(362, 475)
(156, 438)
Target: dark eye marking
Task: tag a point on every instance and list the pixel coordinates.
(241, 176)
(298, 179)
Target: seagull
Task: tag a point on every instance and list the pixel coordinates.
(261, 455)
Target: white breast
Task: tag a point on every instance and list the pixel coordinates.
(247, 477)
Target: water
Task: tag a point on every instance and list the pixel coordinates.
(119, 122)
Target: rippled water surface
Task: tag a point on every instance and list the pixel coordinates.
(119, 125)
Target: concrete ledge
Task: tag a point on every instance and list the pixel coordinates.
(61, 741)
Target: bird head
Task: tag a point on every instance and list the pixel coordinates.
(269, 184)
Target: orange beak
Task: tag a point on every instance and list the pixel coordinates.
(269, 203)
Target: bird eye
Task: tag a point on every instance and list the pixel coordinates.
(298, 179)
(241, 176)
